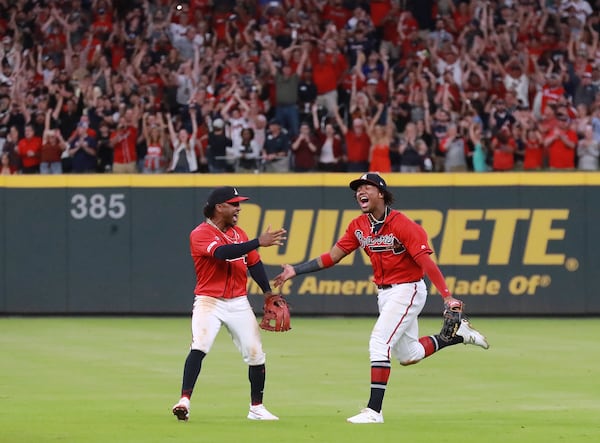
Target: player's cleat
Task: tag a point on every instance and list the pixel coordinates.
(470, 335)
(182, 409)
(367, 415)
(259, 412)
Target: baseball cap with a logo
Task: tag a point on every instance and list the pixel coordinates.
(370, 178)
(225, 194)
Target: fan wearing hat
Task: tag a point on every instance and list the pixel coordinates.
(223, 255)
(218, 145)
(561, 143)
(276, 149)
(400, 256)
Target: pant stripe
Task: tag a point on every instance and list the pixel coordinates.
(412, 299)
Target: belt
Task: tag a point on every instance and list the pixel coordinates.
(395, 284)
(385, 286)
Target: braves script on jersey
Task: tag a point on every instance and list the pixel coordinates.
(220, 278)
(392, 249)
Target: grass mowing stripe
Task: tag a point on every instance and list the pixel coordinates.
(115, 379)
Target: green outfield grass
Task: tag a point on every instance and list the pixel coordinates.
(115, 380)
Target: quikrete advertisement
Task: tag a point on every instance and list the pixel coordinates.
(507, 244)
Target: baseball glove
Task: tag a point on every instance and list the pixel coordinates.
(276, 315)
(453, 314)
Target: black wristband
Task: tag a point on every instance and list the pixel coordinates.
(306, 267)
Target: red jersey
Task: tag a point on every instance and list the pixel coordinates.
(102, 25)
(534, 155)
(327, 72)
(560, 156)
(220, 278)
(550, 95)
(124, 145)
(504, 155)
(219, 24)
(392, 250)
(379, 9)
(31, 145)
(357, 146)
(336, 14)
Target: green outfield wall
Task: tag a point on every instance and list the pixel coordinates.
(516, 243)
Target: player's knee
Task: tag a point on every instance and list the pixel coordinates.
(412, 355)
(255, 361)
(378, 351)
(409, 362)
(255, 358)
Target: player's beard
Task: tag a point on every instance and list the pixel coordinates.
(234, 219)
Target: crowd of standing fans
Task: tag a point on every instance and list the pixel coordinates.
(154, 86)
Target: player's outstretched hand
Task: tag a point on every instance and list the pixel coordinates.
(287, 273)
(269, 238)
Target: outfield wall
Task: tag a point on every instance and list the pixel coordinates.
(507, 243)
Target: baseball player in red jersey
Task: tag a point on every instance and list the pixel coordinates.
(222, 256)
(400, 255)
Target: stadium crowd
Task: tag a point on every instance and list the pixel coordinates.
(90, 86)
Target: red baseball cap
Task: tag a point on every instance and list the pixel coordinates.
(225, 194)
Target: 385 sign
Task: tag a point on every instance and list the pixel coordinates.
(98, 206)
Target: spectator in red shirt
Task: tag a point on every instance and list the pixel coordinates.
(304, 150)
(461, 15)
(327, 69)
(29, 149)
(504, 147)
(330, 150)
(102, 26)
(358, 144)
(378, 11)
(123, 141)
(53, 146)
(551, 91)
(561, 142)
(336, 13)
(534, 150)
(390, 38)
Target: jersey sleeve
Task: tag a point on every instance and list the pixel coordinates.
(349, 242)
(415, 240)
(203, 243)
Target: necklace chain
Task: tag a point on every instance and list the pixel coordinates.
(377, 224)
(374, 220)
(236, 236)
